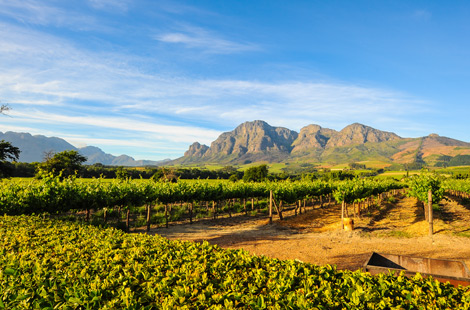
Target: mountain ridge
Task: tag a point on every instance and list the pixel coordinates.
(34, 147)
(256, 141)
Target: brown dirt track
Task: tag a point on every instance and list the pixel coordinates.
(316, 236)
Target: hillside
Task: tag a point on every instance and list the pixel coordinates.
(33, 149)
(258, 141)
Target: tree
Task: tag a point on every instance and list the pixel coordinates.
(8, 153)
(66, 162)
(4, 108)
(256, 174)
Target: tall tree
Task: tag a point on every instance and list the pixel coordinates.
(4, 108)
(8, 153)
(66, 162)
(256, 174)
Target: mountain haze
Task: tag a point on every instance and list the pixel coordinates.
(33, 149)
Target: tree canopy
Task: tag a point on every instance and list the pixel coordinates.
(256, 174)
(8, 153)
(65, 163)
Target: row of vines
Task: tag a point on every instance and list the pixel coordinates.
(58, 195)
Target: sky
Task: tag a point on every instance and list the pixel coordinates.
(147, 78)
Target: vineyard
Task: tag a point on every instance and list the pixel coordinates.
(149, 203)
(46, 263)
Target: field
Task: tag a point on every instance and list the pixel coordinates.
(57, 260)
(316, 236)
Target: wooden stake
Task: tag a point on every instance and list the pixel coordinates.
(342, 215)
(270, 207)
(128, 219)
(148, 217)
(430, 213)
(166, 215)
(191, 213)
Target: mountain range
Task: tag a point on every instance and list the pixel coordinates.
(33, 149)
(257, 141)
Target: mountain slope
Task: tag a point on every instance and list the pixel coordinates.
(250, 141)
(258, 141)
(33, 149)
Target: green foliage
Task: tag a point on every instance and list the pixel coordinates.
(46, 264)
(421, 184)
(256, 174)
(356, 166)
(121, 174)
(356, 190)
(8, 153)
(65, 163)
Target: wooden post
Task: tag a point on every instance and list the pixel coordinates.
(342, 215)
(430, 213)
(214, 210)
(191, 213)
(148, 217)
(128, 215)
(244, 206)
(270, 207)
(104, 214)
(166, 215)
(321, 201)
(252, 203)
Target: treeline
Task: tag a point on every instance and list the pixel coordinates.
(449, 161)
(99, 170)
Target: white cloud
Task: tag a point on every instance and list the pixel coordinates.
(41, 73)
(169, 133)
(198, 38)
(39, 13)
(120, 5)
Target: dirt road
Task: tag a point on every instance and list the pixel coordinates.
(316, 236)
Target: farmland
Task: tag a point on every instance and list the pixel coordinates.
(58, 260)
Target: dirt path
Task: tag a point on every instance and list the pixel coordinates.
(316, 236)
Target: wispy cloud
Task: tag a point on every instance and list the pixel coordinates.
(199, 38)
(40, 13)
(170, 133)
(58, 85)
(119, 5)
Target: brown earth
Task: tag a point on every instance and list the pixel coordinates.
(316, 236)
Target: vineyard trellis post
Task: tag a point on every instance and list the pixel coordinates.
(149, 208)
(342, 214)
(270, 207)
(127, 219)
(166, 215)
(431, 228)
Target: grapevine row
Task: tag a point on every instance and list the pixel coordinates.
(56, 195)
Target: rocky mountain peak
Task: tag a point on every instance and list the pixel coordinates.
(312, 136)
(252, 138)
(358, 134)
(196, 149)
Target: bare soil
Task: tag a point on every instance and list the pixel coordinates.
(316, 236)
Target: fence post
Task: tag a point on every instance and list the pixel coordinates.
(270, 207)
(430, 213)
(148, 217)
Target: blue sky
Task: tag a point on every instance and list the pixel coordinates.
(148, 78)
